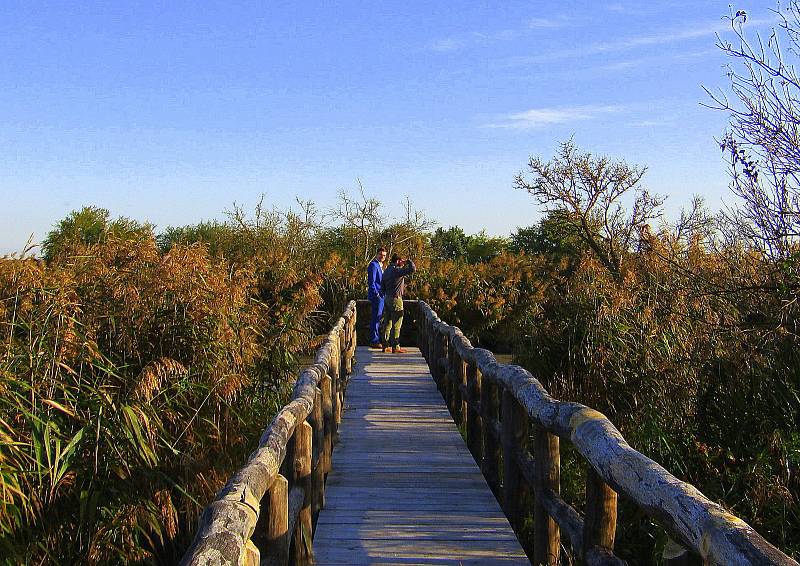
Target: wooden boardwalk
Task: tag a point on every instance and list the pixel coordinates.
(404, 488)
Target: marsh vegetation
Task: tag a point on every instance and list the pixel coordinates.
(138, 369)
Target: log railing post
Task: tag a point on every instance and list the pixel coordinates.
(454, 377)
(317, 468)
(302, 551)
(441, 369)
(342, 364)
(422, 333)
(277, 536)
(438, 352)
(490, 405)
(447, 377)
(547, 474)
(353, 337)
(430, 335)
(461, 386)
(600, 520)
(515, 436)
(425, 331)
(336, 386)
(327, 422)
(346, 348)
(432, 358)
(474, 420)
(350, 332)
(286, 469)
(252, 557)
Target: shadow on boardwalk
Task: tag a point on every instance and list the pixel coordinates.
(404, 488)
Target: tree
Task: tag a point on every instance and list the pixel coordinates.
(555, 234)
(216, 235)
(407, 236)
(482, 248)
(763, 143)
(452, 243)
(362, 217)
(588, 191)
(91, 225)
(363, 226)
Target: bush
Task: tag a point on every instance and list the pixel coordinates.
(132, 384)
(91, 225)
(692, 352)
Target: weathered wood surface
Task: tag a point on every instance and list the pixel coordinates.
(404, 488)
(226, 526)
(689, 517)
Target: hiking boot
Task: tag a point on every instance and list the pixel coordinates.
(398, 350)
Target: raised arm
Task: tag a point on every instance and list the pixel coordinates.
(409, 268)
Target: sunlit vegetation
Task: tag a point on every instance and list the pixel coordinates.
(133, 382)
(684, 334)
(138, 369)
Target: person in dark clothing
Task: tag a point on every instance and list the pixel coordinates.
(375, 296)
(394, 284)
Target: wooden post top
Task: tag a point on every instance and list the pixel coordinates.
(688, 516)
(227, 524)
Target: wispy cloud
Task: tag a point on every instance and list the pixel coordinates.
(655, 60)
(652, 123)
(539, 117)
(502, 35)
(616, 7)
(640, 9)
(620, 8)
(700, 30)
(549, 22)
(447, 44)
(476, 37)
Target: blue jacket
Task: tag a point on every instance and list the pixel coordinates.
(374, 278)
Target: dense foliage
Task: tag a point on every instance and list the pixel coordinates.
(136, 371)
(133, 382)
(699, 372)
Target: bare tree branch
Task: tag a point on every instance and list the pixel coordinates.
(763, 144)
(589, 190)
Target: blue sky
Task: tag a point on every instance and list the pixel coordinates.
(171, 111)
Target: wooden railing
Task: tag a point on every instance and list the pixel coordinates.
(265, 513)
(507, 414)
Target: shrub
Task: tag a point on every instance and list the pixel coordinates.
(91, 225)
(133, 383)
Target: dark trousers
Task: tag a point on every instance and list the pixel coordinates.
(375, 319)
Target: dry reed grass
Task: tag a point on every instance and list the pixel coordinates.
(131, 382)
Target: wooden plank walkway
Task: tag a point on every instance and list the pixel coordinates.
(404, 488)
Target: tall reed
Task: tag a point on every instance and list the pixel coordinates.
(131, 382)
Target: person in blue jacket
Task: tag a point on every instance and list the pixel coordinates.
(375, 295)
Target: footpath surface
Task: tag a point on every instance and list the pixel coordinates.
(404, 488)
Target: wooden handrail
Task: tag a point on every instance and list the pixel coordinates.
(267, 509)
(294, 487)
(499, 394)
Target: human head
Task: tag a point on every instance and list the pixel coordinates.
(396, 258)
(380, 255)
